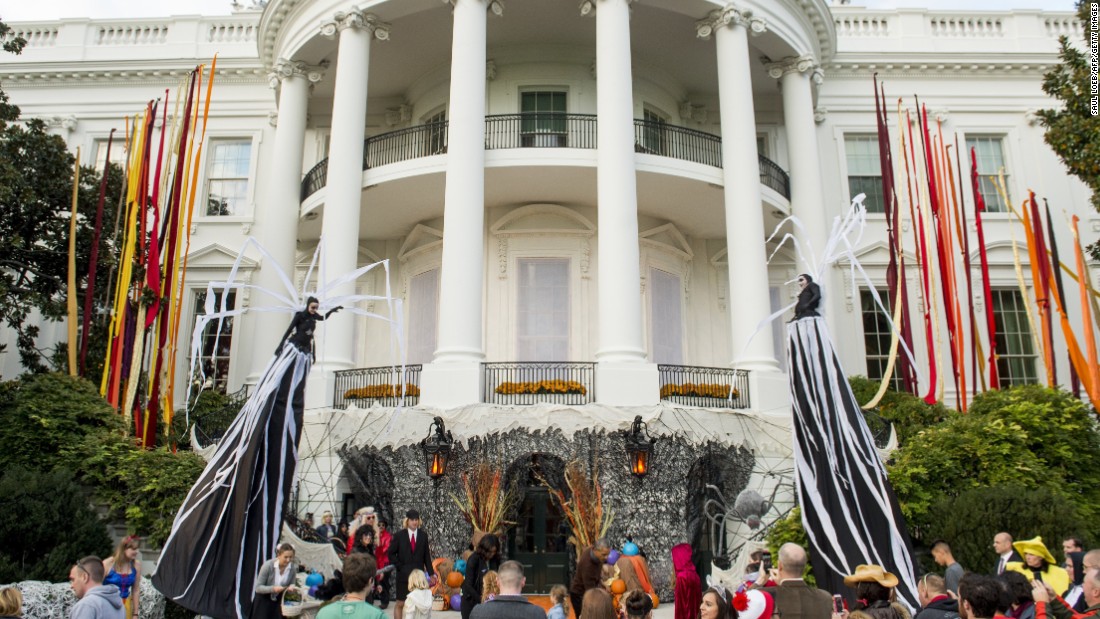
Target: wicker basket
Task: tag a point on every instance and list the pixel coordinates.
(439, 603)
(289, 608)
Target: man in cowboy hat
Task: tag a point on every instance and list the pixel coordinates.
(794, 599)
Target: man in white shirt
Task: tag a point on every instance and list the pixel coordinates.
(1002, 545)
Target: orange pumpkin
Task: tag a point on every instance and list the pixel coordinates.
(653, 596)
(618, 586)
(454, 580)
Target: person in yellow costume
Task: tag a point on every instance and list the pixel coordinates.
(1039, 564)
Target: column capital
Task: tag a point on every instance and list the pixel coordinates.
(358, 20)
(805, 63)
(285, 69)
(587, 6)
(730, 15)
(496, 6)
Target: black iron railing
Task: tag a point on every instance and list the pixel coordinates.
(386, 386)
(530, 382)
(880, 428)
(540, 130)
(658, 138)
(547, 130)
(703, 386)
(771, 175)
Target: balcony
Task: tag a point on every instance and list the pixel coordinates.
(703, 386)
(384, 386)
(547, 130)
(533, 382)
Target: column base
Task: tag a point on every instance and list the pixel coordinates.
(450, 385)
(320, 387)
(770, 393)
(627, 384)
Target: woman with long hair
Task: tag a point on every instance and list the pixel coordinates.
(123, 569)
(717, 603)
(597, 604)
(485, 558)
(276, 576)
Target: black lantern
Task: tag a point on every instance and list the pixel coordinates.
(437, 448)
(639, 447)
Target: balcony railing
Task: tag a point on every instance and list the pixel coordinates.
(703, 386)
(546, 130)
(539, 381)
(385, 386)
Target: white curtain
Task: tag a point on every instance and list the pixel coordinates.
(542, 310)
(423, 316)
(666, 319)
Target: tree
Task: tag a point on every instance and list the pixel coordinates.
(36, 176)
(1074, 130)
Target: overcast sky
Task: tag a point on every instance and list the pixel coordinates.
(28, 10)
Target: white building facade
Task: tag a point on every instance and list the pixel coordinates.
(566, 194)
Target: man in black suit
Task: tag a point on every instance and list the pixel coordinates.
(409, 551)
(1002, 545)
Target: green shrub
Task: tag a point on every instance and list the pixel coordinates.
(908, 413)
(212, 412)
(970, 520)
(790, 529)
(47, 525)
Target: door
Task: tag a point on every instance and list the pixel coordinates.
(538, 541)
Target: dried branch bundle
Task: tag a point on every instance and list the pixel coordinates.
(585, 511)
(485, 500)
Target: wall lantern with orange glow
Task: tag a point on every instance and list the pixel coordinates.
(437, 448)
(639, 447)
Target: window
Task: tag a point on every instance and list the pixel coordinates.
(542, 311)
(227, 179)
(762, 145)
(666, 321)
(653, 132)
(1015, 352)
(876, 338)
(864, 170)
(543, 122)
(423, 316)
(436, 133)
(118, 153)
(216, 343)
(991, 158)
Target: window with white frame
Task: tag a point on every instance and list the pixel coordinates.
(666, 318)
(227, 177)
(435, 137)
(864, 170)
(876, 339)
(118, 154)
(423, 316)
(542, 309)
(1016, 357)
(990, 155)
(542, 121)
(216, 343)
(653, 131)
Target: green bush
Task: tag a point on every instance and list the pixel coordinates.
(47, 525)
(212, 412)
(908, 413)
(970, 520)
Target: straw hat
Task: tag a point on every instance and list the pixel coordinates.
(872, 573)
(1034, 546)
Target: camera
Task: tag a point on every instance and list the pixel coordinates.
(766, 562)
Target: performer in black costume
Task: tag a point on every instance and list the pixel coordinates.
(808, 299)
(231, 520)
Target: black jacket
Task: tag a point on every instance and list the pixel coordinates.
(944, 608)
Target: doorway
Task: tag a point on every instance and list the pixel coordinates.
(539, 537)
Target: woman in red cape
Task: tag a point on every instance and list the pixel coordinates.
(688, 587)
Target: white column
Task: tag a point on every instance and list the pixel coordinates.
(454, 378)
(748, 271)
(343, 194)
(623, 376)
(277, 231)
(807, 191)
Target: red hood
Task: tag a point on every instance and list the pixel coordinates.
(681, 558)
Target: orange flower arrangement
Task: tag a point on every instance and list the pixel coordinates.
(382, 391)
(542, 386)
(701, 390)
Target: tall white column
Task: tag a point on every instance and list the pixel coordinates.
(343, 195)
(623, 376)
(277, 231)
(748, 271)
(453, 379)
(807, 191)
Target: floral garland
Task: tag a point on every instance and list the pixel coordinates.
(700, 390)
(542, 386)
(382, 391)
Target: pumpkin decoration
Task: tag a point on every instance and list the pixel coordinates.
(618, 586)
(454, 580)
(653, 596)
